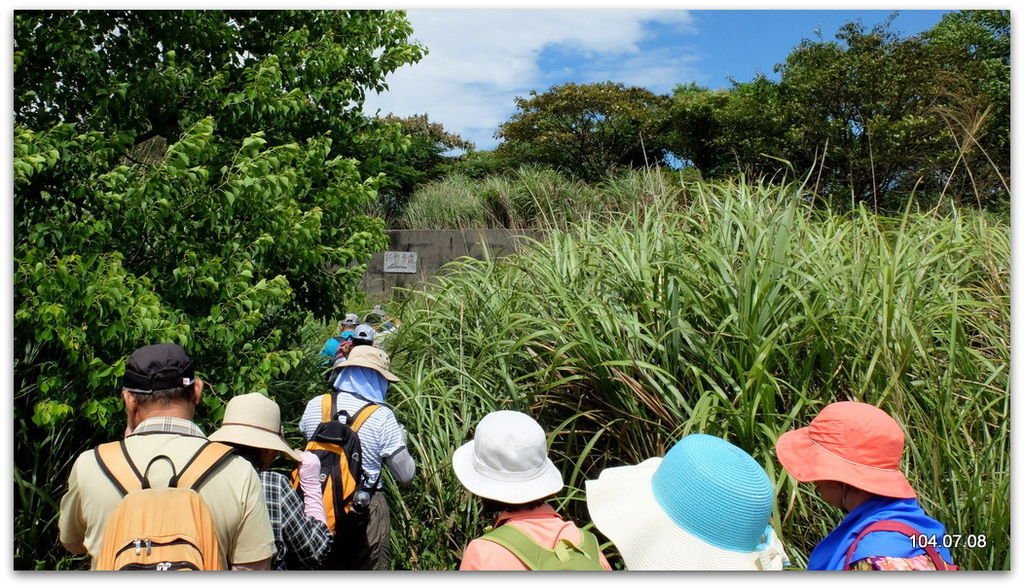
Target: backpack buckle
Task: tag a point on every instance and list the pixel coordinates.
(562, 550)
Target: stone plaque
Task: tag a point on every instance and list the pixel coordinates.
(400, 262)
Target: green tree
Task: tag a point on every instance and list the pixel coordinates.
(861, 109)
(722, 132)
(692, 130)
(870, 115)
(585, 129)
(181, 176)
(478, 164)
(427, 153)
(977, 43)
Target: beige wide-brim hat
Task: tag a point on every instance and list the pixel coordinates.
(507, 460)
(370, 357)
(254, 420)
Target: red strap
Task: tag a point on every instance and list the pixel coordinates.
(897, 527)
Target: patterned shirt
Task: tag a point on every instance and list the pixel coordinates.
(307, 539)
(172, 425)
(881, 563)
(380, 436)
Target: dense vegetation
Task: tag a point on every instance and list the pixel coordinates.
(208, 178)
(871, 116)
(180, 176)
(731, 309)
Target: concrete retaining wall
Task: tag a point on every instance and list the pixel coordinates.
(434, 249)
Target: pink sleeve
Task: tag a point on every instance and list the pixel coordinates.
(481, 554)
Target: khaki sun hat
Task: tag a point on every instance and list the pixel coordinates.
(374, 358)
(254, 420)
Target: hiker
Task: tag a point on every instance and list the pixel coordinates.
(363, 335)
(334, 345)
(341, 349)
(363, 383)
(160, 393)
(851, 452)
(345, 330)
(507, 467)
(706, 505)
(350, 321)
(252, 425)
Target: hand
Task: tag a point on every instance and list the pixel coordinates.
(344, 349)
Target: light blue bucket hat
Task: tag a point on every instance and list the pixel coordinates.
(705, 506)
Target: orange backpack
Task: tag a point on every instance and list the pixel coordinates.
(160, 528)
(336, 443)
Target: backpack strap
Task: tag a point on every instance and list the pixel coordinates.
(588, 546)
(519, 544)
(533, 555)
(362, 415)
(897, 527)
(328, 407)
(206, 461)
(118, 467)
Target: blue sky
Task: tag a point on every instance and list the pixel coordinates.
(480, 60)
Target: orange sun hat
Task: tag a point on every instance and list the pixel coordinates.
(850, 442)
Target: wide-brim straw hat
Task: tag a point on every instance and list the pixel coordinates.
(254, 420)
(850, 442)
(374, 358)
(705, 506)
(507, 460)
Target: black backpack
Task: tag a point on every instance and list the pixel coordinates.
(336, 443)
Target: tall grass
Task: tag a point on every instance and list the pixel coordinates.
(732, 309)
(528, 197)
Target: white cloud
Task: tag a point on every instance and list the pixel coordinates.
(658, 70)
(479, 60)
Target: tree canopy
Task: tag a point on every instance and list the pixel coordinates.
(187, 176)
(868, 116)
(585, 129)
(428, 151)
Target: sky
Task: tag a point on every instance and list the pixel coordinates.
(469, 84)
(480, 60)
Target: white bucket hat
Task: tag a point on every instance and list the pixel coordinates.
(507, 460)
(705, 506)
(254, 420)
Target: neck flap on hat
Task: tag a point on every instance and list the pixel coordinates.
(363, 382)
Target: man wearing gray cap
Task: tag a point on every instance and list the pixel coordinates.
(160, 393)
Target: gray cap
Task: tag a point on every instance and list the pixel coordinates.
(364, 332)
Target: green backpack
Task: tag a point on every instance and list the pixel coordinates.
(565, 555)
